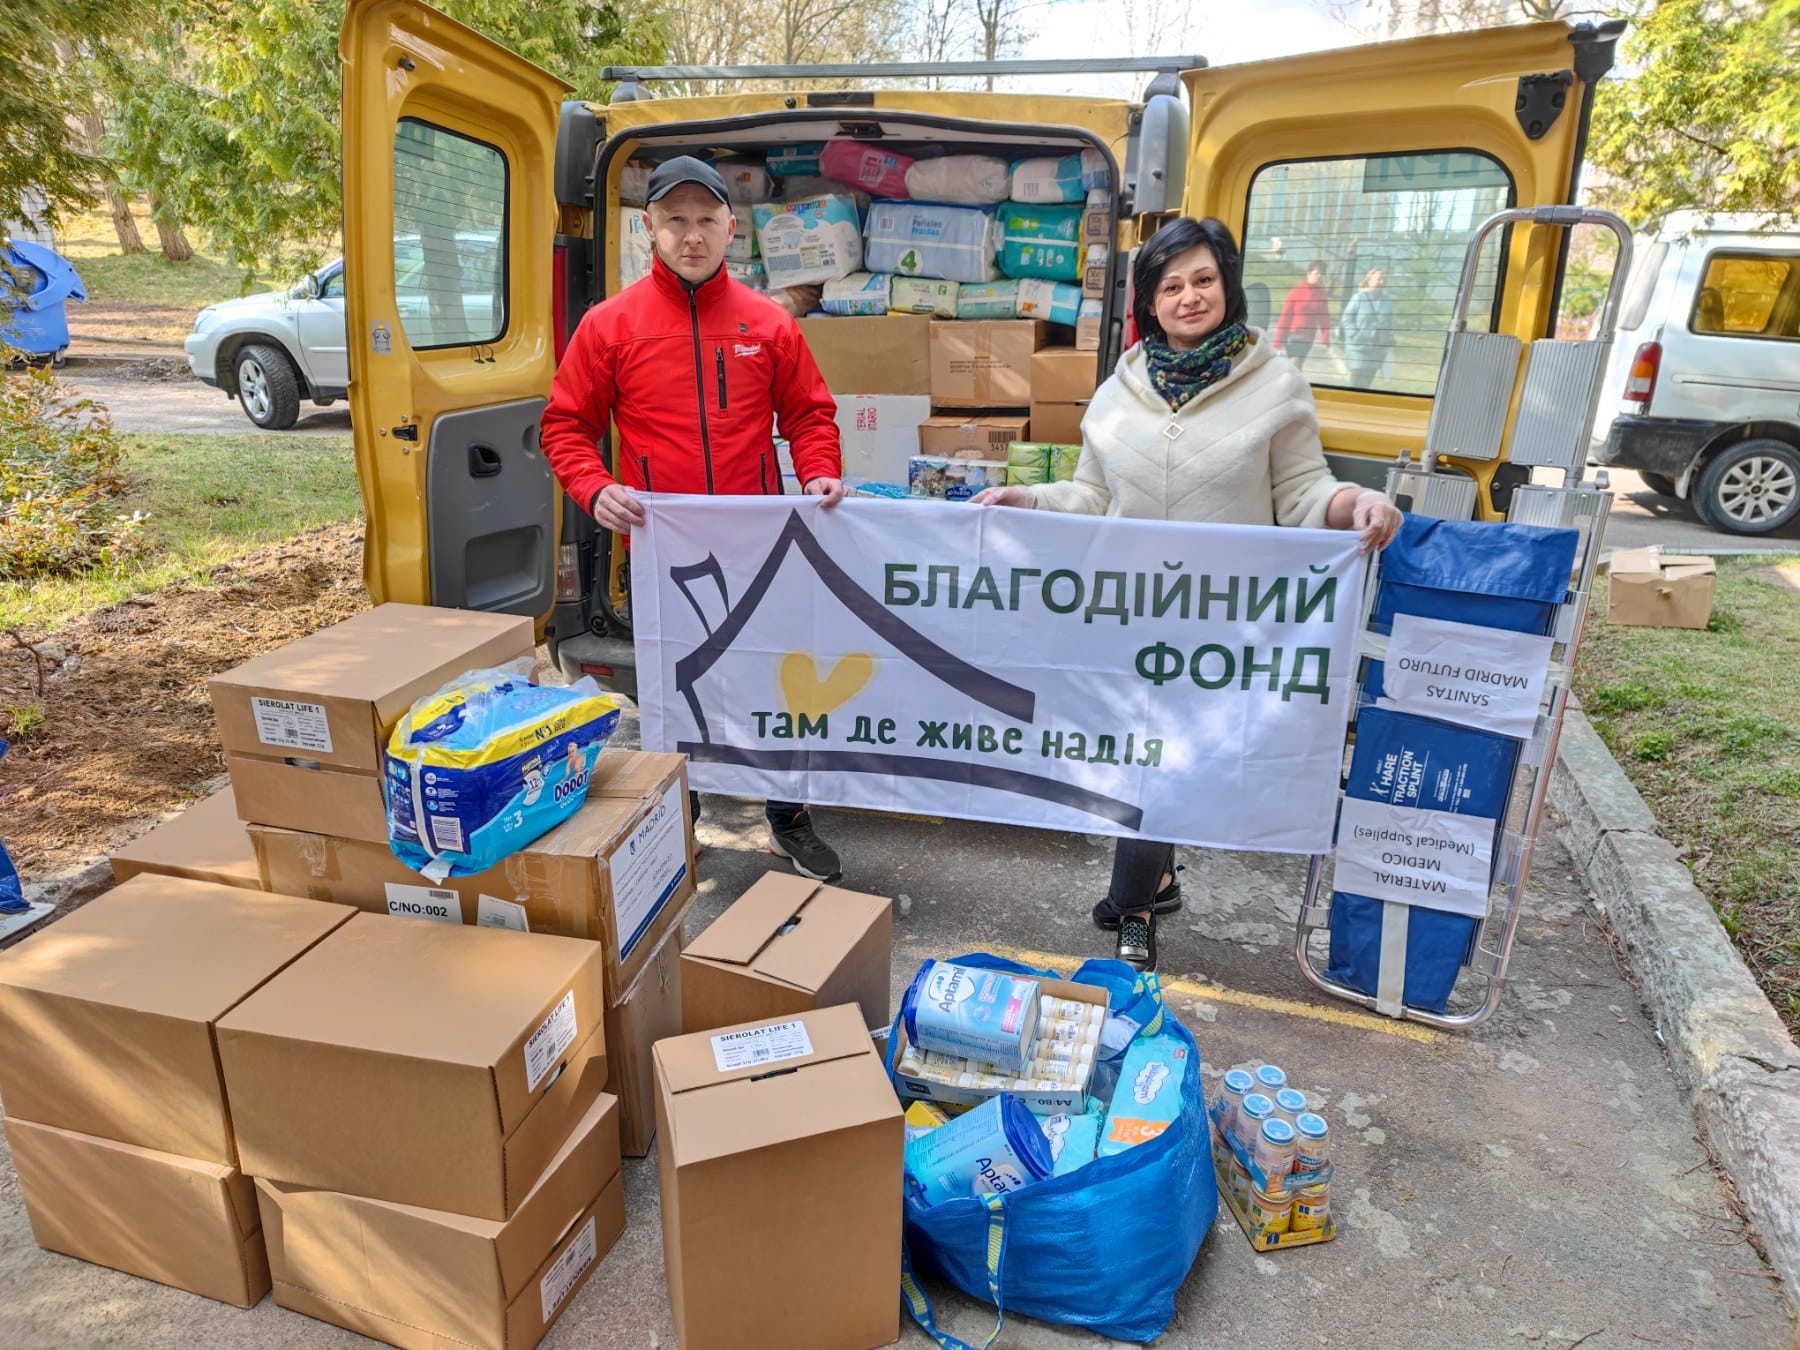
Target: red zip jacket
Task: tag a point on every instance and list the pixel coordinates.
(694, 378)
(1304, 314)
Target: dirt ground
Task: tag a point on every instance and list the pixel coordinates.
(127, 728)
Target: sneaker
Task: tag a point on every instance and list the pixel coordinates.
(1165, 901)
(1137, 941)
(800, 844)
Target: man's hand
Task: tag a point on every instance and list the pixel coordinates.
(615, 509)
(831, 489)
(1005, 496)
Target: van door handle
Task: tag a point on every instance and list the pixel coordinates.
(484, 461)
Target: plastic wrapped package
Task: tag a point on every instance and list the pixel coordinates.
(742, 247)
(860, 293)
(634, 246)
(797, 300)
(988, 299)
(1040, 241)
(1048, 180)
(1027, 463)
(488, 763)
(634, 182)
(960, 180)
(923, 295)
(868, 168)
(816, 185)
(923, 239)
(1094, 174)
(750, 273)
(1054, 301)
(793, 161)
(810, 241)
(746, 180)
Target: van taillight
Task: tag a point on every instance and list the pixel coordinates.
(559, 297)
(568, 573)
(1641, 383)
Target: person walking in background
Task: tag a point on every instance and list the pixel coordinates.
(1366, 328)
(1305, 317)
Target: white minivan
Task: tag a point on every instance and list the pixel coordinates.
(1706, 364)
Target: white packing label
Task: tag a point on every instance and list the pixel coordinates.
(423, 902)
(1473, 676)
(761, 1045)
(548, 1042)
(495, 913)
(297, 726)
(567, 1269)
(1434, 859)
(647, 868)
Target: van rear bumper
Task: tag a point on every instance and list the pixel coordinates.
(1662, 445)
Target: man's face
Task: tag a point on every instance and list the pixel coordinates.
(691, 229)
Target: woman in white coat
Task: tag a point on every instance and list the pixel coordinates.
(1201, 421)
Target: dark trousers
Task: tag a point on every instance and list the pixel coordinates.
(782, 815)
(1296, 348)
(1138, 867)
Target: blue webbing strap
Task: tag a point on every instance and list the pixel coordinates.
(918, 1303)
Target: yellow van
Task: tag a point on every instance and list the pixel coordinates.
(1381, 158)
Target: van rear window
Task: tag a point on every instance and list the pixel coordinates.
(1751, 295)
(1386, 235)
(449, 237)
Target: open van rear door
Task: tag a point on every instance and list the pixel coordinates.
(1385, 159)
(449, 220)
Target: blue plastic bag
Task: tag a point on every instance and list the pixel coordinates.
(1104, 1247)
(12, 893)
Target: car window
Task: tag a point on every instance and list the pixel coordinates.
(1643, 285)
(450, 196)
(1740, 295)
(1386, 235)
(332, 288)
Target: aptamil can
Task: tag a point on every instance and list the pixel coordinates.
(981, 1014)
(994, 1149)
(1312, 1147)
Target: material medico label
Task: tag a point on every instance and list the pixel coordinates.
(291, 725)
(546, 1044)
(423, 902)
(761, 1045)
(567, 1269)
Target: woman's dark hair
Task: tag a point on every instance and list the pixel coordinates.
(1169, 243)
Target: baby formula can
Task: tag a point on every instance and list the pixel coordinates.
(983, 1014)
(1312, 1209)
(1237, 1083)
(1289, 1103)
(1269, 1080)
(996, 1148)
(1268, 1213)
(1252, 1112)
(1312, 1143)
(1274, 1151)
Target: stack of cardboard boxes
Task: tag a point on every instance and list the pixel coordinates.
(980, 399)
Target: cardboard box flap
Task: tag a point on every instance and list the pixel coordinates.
(775, 1109)
(1682, 567)
(739, 935)
(590, 831)
(212, 945)
(693, 1062)
(631, 773)
(826, 929)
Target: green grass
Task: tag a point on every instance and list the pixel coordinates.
(1706, 724)
(210, 499)
(142, 297)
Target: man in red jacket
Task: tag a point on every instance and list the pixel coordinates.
(1305, 317)
(694, 369)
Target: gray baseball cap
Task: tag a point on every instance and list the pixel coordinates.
(671, 174)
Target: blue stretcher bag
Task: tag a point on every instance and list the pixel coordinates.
(1104, 1247)
(1492, 575)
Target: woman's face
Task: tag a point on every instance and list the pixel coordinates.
(1190, 298)
(1376, 281)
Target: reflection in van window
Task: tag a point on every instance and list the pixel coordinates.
(449, 237)
(1742, 295)
(1353, 263)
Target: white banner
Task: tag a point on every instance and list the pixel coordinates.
(1181, 682)
(1458, 672)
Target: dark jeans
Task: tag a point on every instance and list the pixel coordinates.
(1296, 348)
(1138, 867)
(782, 815)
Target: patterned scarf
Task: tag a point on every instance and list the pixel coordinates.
(1181, 376)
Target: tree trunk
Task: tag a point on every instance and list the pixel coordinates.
(175, 246)
(130, 241)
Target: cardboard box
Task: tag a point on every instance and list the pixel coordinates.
(879, 433)
(321, 708)
(890, 355)
(789, 1129)
(179, 1221)
(421, 1277)
(1057, 423)
(1097, 226)
(619, 872)
(206, 842)
(787, 945)
(1063, 375)
(984, 363)
(1087, 327)
(1650, 590)
(648, 1012)
(108, 1018)
(980, 438)
(1096, 271)
(427, 1064)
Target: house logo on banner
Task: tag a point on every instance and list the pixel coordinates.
(1177, 681)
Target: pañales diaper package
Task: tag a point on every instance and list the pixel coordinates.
(1148, 1098)
(922, 239)
(484, 766)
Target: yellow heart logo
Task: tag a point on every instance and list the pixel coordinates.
(807, 695)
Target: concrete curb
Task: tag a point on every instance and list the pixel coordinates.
(1729, 1050)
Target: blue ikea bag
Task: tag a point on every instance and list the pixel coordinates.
(1104, 1247)
(1492, 575)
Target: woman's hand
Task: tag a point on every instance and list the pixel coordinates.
(1376, 519)
(1004, 496)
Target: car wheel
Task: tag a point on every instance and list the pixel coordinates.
(1751, 488)
(1659, 483)
(268, 387)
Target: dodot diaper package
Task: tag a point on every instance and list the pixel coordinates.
(1074, 1140)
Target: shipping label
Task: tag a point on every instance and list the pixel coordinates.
(423, 902)
(1436, 859)
(294, 726)
(567, 1269)
(647, 869)
(546, 1044)
(761, 1045)
(491, 912)
(1466, 674)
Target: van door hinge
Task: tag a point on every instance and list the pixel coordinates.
(1540, 101)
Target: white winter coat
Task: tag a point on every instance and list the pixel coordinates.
(1248, 451)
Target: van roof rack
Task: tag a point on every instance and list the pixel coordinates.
(631, 79)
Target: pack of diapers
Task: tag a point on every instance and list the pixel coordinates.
(742, 247)
(1040, 241)
(484, 766)
(859, 293)
(793, 161)
(1074, 1140)
(1148, 1098)
(923, 295)
(923, 239)
(1094, 175)
(634, 182)
(746, 180)
(809, 241)
(960, 180)
(1054, 301)
(750, 273)
(1047, 180)
(634, 245)
(868, 168)
(988, 299)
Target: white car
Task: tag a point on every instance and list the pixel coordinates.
(271, 350)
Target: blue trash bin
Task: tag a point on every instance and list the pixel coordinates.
(35, 319)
